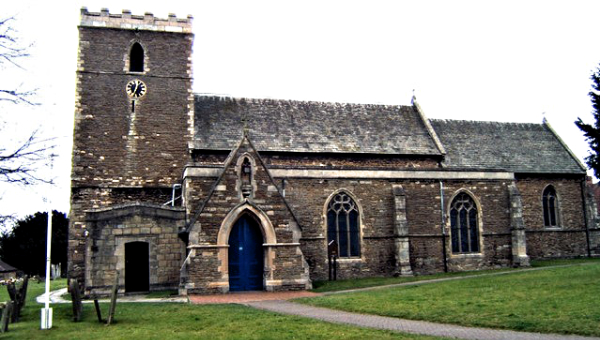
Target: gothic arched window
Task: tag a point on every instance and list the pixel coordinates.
(464, 225)
(550, 207)
(343, 225)
(136, 58)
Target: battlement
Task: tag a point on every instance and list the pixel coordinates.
(126, 20)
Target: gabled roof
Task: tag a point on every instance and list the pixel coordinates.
(515, 147)
(297, 126)
(247, 144)
(5, 267)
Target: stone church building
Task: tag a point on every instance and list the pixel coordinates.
(211, 194)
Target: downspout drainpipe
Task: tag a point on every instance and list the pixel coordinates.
(444, 229)
(176, 187)
(587, 227)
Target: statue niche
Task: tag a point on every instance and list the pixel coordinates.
(246, 178)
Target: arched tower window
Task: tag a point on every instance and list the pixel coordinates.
(343, 225)
(136, 58)
(550, 207)
(464, 225)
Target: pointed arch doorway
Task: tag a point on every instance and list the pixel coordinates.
(246, 255)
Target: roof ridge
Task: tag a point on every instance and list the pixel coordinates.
(296, 101)
(490, 122)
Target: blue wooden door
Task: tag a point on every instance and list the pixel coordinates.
(245, 256)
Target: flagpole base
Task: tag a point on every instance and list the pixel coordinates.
(46, 318)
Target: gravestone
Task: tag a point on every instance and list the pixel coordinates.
(6, 316)
(76, 300)
(17, 296)
(113, 301)
(113, 304)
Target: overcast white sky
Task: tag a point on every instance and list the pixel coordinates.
(475, 60)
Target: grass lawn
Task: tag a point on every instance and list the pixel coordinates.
(332, 286)
(562, 262)
(553, 300)
(179, 321)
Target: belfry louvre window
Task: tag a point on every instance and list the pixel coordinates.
(464, 225)
(550, 204)
(343, 226)
(136, 58)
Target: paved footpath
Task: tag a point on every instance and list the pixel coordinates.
(56, 296)
(401, 325)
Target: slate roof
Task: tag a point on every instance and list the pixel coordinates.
(515, 147)
(5, 267)
(297, 126)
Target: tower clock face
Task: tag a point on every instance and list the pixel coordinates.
(136, 88)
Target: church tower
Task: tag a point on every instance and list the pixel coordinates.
(133, 118)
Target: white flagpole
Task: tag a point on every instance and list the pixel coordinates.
(47, 311)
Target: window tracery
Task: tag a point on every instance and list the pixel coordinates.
(343, 225)
(464, 225)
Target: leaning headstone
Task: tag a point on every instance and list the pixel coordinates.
(113, 301)
(13, 293)
(12, 290)
(23, 292)
(6, 316)
(18, 296)
(76, 300)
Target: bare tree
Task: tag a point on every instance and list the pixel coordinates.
(19, 159)
(11, 50)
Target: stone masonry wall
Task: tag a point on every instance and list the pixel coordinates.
(206, 269)
(90, 198)
(112, 229)
(569, 239)
(494, 216)
(142, 150)
(326, 161)
(113, 145)
(308, 198)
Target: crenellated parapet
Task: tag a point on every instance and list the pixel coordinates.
(126, 20)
